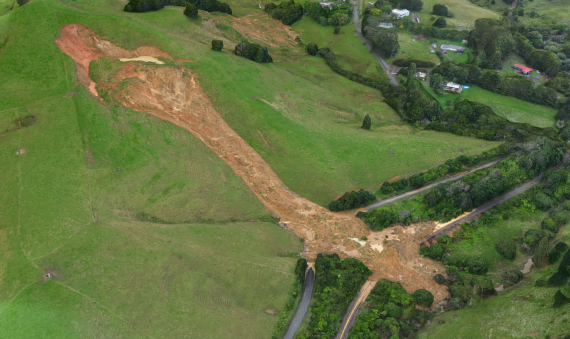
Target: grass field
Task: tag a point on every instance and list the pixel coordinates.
(520, 311)
(464, 12)
(511, 108)
(72, 206)
(550, 11)
(418, 49)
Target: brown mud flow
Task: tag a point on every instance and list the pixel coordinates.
(175, 95)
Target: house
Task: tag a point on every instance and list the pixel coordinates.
(421, 75)
(386, 25)
(522, 69)
(453, 48)
(400, 13)
(453, 87)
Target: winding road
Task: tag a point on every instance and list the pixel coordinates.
(303, 305)
(427, 187)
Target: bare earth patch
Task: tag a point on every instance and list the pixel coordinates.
(175, 95)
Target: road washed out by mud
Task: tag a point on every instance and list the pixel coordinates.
(144, 58)
(174, 94)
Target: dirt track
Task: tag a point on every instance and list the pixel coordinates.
(175, 95)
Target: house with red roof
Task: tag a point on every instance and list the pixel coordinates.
(523, 69)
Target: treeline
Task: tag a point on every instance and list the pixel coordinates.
(383, 316)
(153, 5)
(472, 119)
(351, 200)
(289, 12)
(434, 32)
(519, 87)
(409, 62)
(337, 282)
(451, 166)
(449, 200)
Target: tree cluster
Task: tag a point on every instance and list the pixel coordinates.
(351, 200)
(441, 10)
(383, 40)
(336, 15)
(153, 5)
(253, 52)
(287, 11)
(434, 32)
(419, 63)
(492, 41)
(337, 282)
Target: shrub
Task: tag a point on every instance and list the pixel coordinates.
(560, 247)
(444, 239)
(440, 22)
(550, 225)
(440, 10)
(507, 248)
(554, 256)
(423, 297)
(560, 216)
(460, 295)
(560, 299)
(434, 251)
(558, 278)
(312, 48)
(339, 19)
(453, 277)
(476, 265)
(367, 122)
(393, 310)
(337, 30)
(440, 279)
(191, 11)
(217, 45)
(253, 52)
(483, 285)
(513, 276)
(542, 201)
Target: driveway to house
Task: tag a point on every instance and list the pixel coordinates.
(303, 305)
(387, 67)
(427, 187)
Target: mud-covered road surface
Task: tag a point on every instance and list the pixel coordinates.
(174, 94)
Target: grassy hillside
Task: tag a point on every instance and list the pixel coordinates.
(511, 108)
(77, 185)
(464, 12)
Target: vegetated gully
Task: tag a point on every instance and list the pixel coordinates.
(174, 94)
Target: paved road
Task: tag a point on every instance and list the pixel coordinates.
(303, 305)
(354, 309)
(387, 67)
(427, 187)
(492, 203)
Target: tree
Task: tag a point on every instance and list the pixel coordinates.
(339, 19)
(507, 248)
(412, 5)
(312, 48)
(411, 74)
(423, 297)
(386, 42)
(217, 45)
(440, 10)
(440, 22)
(367, 122)
(337, 30)
(540, 258)
(191, 11)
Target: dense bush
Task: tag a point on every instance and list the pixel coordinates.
(440, 279)
(336, 30)
(476, 265)
(483, 285)
(441, 10)
(492, 41)
(514, 276)
(507, 248)
(545, 61)
(550, 225)
(352, 199)
(253, 52)
(542, 201)
(312, 48)
(301, 269)
(440, 22)
(560, 299)
(383, 40)
(435, 251)
(337, 282)
(408, 62)
(412, 5)
(423, 297)
(444, 239)
(540, 257)
(153, 5)
(191, 11)
(217, 45)
(287, 11)
(367, 122)
(558, 278)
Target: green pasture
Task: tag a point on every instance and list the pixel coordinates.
(410, 49)
(508, 107)
(464, 12)
(550, 11)
(134, 218)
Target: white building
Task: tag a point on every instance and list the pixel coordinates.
(421, 75)
(400, 13)
(453, 48)
(386, 25)
(452, 86)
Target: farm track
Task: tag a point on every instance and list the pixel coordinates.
(354, 309)
(427, 187)
(303, 305)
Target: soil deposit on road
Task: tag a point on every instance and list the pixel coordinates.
(174, 94)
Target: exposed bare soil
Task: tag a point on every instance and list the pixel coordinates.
(175, 95)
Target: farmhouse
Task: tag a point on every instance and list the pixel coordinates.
(453, 48)
(421, 75)
(453, 87)
(386, 25)
(522, 69)
(400, 13)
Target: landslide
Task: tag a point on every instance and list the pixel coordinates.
(174, 94)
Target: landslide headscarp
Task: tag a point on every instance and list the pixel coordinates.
(175, 95)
